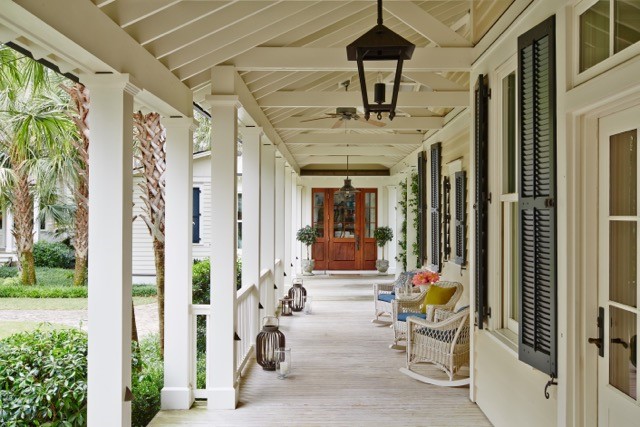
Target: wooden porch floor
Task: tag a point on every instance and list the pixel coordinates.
(343, 374)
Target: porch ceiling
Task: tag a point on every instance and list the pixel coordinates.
(291, 61)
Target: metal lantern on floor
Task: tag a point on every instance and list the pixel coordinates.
(298, 294)
(285, 306)
(268, 341)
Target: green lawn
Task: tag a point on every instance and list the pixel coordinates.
(57, 303)
(10, 328)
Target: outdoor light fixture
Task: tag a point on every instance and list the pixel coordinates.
(380, 44)
(347, 188)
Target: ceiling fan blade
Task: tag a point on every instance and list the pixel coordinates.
(337, 124)
(313, 120)
(372, 122)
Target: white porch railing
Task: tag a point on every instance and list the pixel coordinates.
(249, 317)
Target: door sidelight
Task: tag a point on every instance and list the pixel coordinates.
(599, 342)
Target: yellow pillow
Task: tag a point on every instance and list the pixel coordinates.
(437, 295)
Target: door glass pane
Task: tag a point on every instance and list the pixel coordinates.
(344, 215)
(318, 213)
(623, 170)
(594, 35)
(509, 130)
(370, 214)
(622, 262)
(622, 351)
(627, 23)
(514, 258)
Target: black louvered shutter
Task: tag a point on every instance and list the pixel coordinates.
(422, 207)
(482, 198)
(436, 228)
(196, 215)
(461, 218)
(537, 130)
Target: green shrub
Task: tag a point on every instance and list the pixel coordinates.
(43, 378)
(6, 272)
(17, 290)
(201, 277)
(147, 380)
(53, 254)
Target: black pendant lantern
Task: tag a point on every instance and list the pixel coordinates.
(268, 341)
(347, 188)
(298, 294)
(380, 44)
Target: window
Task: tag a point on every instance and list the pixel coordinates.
(318, 212)
(370, 208)
(196, 215)
(509, 202)
(596, 22)
(43, 223)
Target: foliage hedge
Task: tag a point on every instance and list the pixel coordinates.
(43, 379)
(201, 278)
(13, 290)
(53, 254)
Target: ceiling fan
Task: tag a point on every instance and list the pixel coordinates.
(345, 113)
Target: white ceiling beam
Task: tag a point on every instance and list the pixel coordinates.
(251, 106)
(206, 27)
(353, 160)
(348, 151)
(171, 19)
(355, 139)
(335, 59)
(296, 15)
(125, 13)
(399, 123)
(229, 33)
(433, 80)
(48, 23)
(332, 99)
(425, 24)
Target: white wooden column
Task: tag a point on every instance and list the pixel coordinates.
(8, 234)
(251, 165)
(221, 350)
(412, 236)
(36, 220)
(392, 205)
(399, 219)
(287, 227)
(279, 225)
(267, 222)
(110, 230)
(178, 335)
(298, 225)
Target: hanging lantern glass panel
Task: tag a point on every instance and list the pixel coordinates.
(268, 341)
(298, 294)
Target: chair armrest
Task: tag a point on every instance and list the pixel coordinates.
(440, 314)
(406, 304)
(431, 310)
(379, 288)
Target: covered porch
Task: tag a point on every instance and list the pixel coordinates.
(343, 373)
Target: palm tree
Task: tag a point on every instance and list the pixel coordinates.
(33, 124)
(151, 155)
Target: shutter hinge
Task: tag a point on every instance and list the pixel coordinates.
(488, 312)
(489, 93)
(551, 382)
(549, 202)
(489, 197)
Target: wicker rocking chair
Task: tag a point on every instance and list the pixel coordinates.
(385, 293)
(404, 308)
(443, 343)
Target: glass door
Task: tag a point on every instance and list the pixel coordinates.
(618, 273)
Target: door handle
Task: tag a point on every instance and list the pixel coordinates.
(599, 341)
(620, 341)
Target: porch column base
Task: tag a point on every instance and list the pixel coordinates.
(222, 398)
(176, 398)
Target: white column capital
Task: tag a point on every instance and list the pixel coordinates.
(223, 101)
(180, 122)
(123, 82)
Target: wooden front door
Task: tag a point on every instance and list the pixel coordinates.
(345, 227)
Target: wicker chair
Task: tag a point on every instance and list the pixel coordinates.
(444, 343)
(402, 309)
(385, 293)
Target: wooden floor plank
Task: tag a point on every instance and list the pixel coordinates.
(344, 374)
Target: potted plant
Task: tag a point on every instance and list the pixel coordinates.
(383, 235)
(425, 278)
(307, 236)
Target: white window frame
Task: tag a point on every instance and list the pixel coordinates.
(611, 61)
(504, 324)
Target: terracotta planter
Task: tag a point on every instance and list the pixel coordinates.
(307, 267)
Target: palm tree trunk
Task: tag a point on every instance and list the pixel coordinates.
(158, 250)
(81, 102)
(23, 226)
